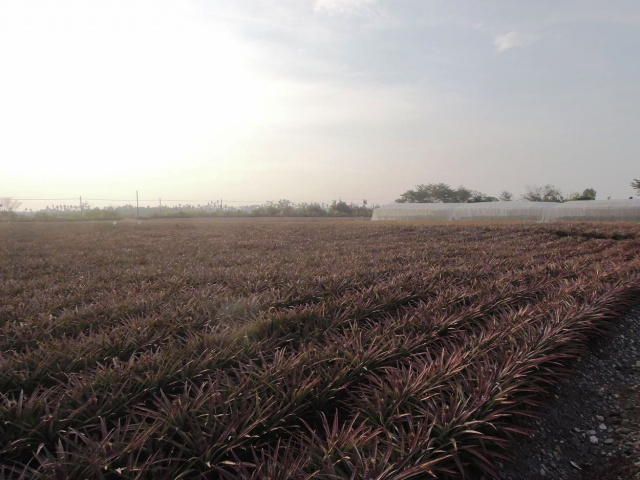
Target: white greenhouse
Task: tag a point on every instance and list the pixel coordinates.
(576, 211)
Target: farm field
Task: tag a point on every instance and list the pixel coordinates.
(291, 349)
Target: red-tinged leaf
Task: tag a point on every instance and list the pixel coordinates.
(518, 430)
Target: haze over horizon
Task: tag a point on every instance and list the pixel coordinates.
(315, 100)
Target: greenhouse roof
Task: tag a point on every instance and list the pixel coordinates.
(585, 210)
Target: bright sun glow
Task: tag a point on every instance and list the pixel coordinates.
(118, 86)
(314, 100)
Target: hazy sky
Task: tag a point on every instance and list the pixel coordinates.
(314, 100)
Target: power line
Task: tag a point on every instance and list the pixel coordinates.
(43, 199)
(246, 201)
(111, 200)
(151, 200)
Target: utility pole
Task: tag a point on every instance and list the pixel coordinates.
(81, 206)
(160, 203)
(137, 206)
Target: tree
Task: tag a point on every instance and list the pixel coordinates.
(285, 207)
(271, 209)
(463, 194)
(442, 193)
(636, 185)
(478, 197)
(546, 193)
(505, 196)
(314, 210)
(340, 208)
(431, 193)
(8, 204)
(587, 194)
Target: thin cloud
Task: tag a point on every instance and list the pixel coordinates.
(512, 40)
(345, 7)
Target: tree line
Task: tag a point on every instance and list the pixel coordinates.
(423, 193)
(443, 193)
(280, 208)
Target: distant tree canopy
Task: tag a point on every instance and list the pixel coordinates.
(287, 208)
(443, 193)
(8, 204)
(550, 193)
(279, 208)
(505, 196)
(587, 194)
(546, 193)
(636, 185)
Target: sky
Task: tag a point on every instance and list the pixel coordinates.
(315, 100)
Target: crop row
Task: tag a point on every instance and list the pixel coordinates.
(334, 351)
